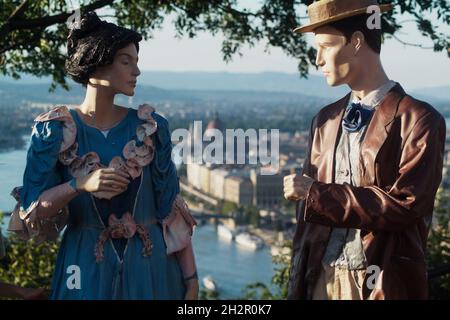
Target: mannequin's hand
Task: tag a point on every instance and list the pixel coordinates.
(296, 187)
(104, 183)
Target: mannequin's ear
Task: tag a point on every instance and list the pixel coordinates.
(357, 41)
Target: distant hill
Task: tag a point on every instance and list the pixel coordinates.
(18, 92)
(266, 81)
(435, 93)
(38, 92)
(160, 84)
(219, 81)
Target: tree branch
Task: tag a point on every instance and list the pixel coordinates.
(44, 22)
(19, 10)
(228, 9)
(6, 27)
(409, 43)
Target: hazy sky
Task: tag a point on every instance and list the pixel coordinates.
(412, 67)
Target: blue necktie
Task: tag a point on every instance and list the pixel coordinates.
(355, 117)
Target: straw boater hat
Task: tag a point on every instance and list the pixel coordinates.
(326, 11)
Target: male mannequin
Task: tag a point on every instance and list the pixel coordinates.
(372, 170)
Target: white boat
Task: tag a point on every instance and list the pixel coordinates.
(276, 250)
(249, 241)
(224, 232)
(209, 283)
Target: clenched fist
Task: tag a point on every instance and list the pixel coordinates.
(296, 187)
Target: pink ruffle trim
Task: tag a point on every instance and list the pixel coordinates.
(178, 226)
(27, 225)
(133, 158)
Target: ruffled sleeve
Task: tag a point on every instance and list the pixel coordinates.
(176, 219)
(178, 226)
(164, 174)
(40, 174)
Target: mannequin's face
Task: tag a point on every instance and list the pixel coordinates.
(121, 75)
(334, 56)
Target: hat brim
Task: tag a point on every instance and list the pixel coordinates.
(310, 27)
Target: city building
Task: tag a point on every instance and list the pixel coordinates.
(239, 190)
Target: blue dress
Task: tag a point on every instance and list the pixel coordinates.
(124, 273)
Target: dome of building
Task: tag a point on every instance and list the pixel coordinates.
(215, 123)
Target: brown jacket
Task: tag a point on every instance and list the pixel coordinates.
(401, 169)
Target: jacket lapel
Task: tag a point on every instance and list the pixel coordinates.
(377, 132)
(330, 133)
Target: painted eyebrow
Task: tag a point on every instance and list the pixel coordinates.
(128, 55)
